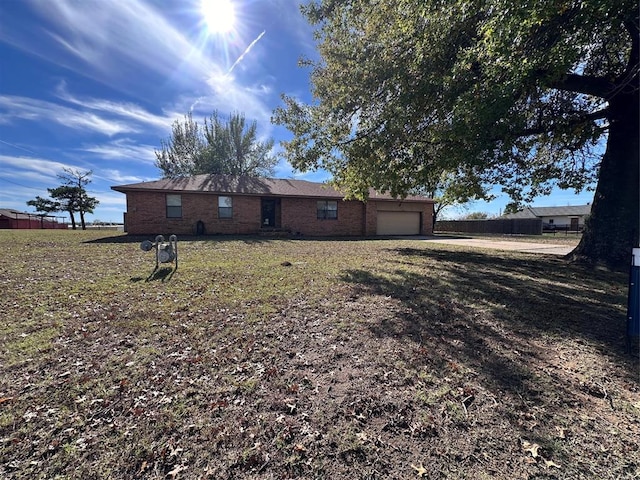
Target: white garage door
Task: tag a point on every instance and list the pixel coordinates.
(398, 223)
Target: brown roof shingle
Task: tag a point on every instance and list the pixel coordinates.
(229, 184)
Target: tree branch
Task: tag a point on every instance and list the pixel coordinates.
(630, 74)
(590, 117)
(589, 85)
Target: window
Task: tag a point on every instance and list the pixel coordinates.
(174, 206)
(225, 207)
(328, 209)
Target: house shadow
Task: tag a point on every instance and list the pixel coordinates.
(253, 238)
(211, 238)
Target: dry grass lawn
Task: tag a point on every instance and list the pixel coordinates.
(277, 359)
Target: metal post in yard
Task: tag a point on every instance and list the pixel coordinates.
(633, 306)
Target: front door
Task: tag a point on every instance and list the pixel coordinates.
(268, 213)
(574, 224)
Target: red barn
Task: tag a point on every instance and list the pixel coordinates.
(11, 219)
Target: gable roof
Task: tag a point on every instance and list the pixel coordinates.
(254, 186)
(538, 212)
(17, 215)
(14, 214)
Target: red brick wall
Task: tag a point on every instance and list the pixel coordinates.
(370, 221)
(299, 215)
(146, 214)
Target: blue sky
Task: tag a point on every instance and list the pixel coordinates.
(96, 84)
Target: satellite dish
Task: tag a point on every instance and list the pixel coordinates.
(146, 245)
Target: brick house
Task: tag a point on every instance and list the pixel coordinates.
(223, 204)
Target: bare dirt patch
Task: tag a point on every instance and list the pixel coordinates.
(310, 359)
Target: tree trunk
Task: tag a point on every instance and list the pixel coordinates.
(82, 224)
(611, 231)
(73, 220)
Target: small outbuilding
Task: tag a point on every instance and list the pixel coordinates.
(556, 218)
(14, 219)
(225, 204)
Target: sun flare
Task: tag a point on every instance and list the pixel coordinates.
(219, 15)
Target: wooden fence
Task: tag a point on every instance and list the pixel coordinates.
(505, 226)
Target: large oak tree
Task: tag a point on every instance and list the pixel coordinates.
(527, 95)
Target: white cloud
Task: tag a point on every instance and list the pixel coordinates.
(134, 45)
(31, 168)
(116, 176)
(112, 38)
(23, 108)
(228, 96)
(123, 149)
(111, 198)
(11, 195)
(127, 110)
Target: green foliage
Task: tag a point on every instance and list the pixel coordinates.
(182, 150)
(44, 205)
(449, 188)
(476, 216)
(70, 197)
(496, 93)
(228, 146)
(512, 207)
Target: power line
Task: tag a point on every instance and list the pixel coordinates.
(18, 146)
(19, 184)
(41, 189)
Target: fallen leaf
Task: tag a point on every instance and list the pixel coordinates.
(174, 473)
(549, 463)
(531, 448)
(421, 471)
(174, 451)
(562, 433)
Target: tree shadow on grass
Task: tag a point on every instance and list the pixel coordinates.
(516, 335)
(485, 307)
(537, 295)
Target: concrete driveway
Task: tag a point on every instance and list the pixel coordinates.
(527, 247)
